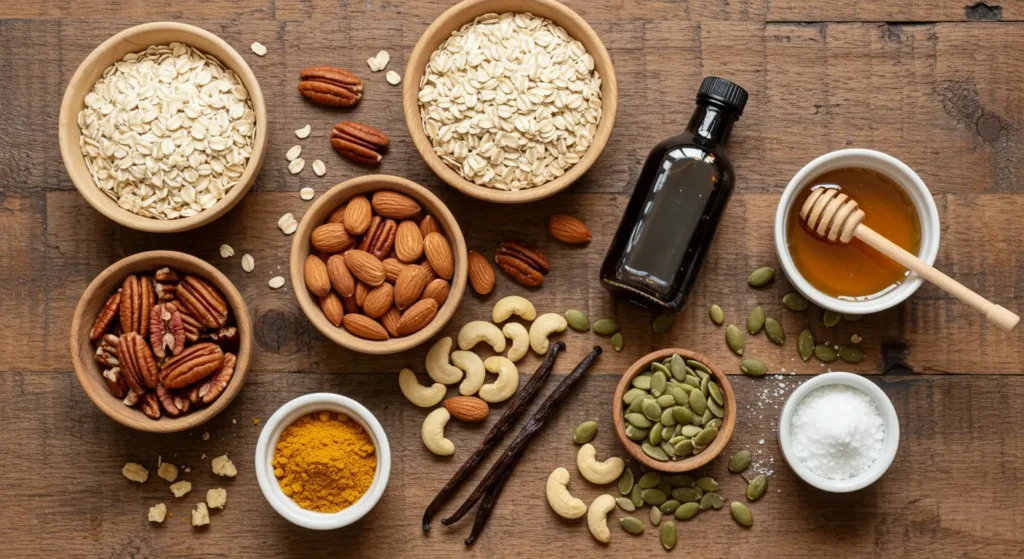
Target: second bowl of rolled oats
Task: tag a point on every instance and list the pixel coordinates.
(163, 127)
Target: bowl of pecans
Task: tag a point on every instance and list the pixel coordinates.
(383, 264)
(163, 127)
(498, 132)
(161, 341)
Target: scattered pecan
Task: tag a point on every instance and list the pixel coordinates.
(106, 316)
(328, 85)
(106, 351)
(137, 363)
(192, 365)
(204, 302)
(115, 382)
(166, 332)
(136, 301)
(149, 405)
(523, 263)
(359, 142)
(211, 389)
(226, 337)
(380, 237)
(172, 401)
(166, 281)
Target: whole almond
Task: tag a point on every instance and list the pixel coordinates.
(358, 214)
(481, 274)
(331, 238)
(361, 292)
(315, 272)
(467, 408)
(408, 242)
(429, 225)
(430, 273)
(568, 229)
(341, 278)
(364, 327)
(437, 290)
(417, 316)
(365, 267)
(338, 215)
(394, 205)
(439, 254)
(409, 286)
(390, 321)
(378, 300)
(392, 267)
(332, 307)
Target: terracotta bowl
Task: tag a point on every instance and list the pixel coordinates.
(317, 215)
(693, 462)
(113, 49)
(89, 372)
(463, 13)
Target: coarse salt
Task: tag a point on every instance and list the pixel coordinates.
(837, 432)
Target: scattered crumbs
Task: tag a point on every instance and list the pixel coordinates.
(255, 421)
(188, 470)
(233, 421)
(203, 457)
(206, 435)
(760, 441)
(855, 339)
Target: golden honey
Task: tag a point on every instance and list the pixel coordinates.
(855, 271)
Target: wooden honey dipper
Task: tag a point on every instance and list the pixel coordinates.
(836, 217)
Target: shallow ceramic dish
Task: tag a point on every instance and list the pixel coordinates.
(136, 39)
(271, 433)
(317, 215)
(465, 12)
(890, 443)
(688, 464)
(88, 371)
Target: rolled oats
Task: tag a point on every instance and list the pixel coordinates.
(293, 153)
(319, 168)
(226, 251)
(276, 282)
(296, 166)
(303, 133)
(258, 49)
(307, 193)
(248, 264)
(393, 78)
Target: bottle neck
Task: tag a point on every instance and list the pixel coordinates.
(711, 124)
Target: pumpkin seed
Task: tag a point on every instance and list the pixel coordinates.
(706, 501)
(669, 506)
(633, 394)
(638, 420)
(691, 430)
(669, 449)
(668, 535)
(698, 403)
(634, 495)
(705, 437)
(795, 301)
(686, 494)
(679, 395)
(831, 318)
(825, 353)
(741, 514)
(655, 515)
(667, 419)
(636, 433)
(734, 339)
(625, 504)
(662, 323)
(664, 486)
(708, 416)
(618, 342)
(761, 277)
(717, 314)
(717, 501)
(715, 409)
(642, 381)
(652, 410)
(649, 480)
(757, 487)
(704, 386)
(755, 321)
(700, 492)
(577, 320)
(680, 481)
(740, 461)
(716, 393)
(698, 366)
(676, 367)
(852, 317)
(851, 353)
(684, 447)
(682, 414)
(632, 525)
(656, 434)
(805, 344)
(685, 387)
(655, 452)
(653, 497)
(638, 405)
(605, 326)
(658, 383)
(656, 367)
(687, 511)
(697, 420)
(774, 330)
(707, 484)
(626, 481)
(585, 432)
(692, 380)
(665, 400)
(753, 367)
(716, 423)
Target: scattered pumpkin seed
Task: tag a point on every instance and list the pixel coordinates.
(642, 381)
(717, 501)
(668, 535)
(653, 497)
(774, 330)
(686, 494)
(741, 514)
(717, 314)
(687, 511)
(664, 486)
(761, 277)
(680, 480)
(706, 501)
(755, 321)
(655, 515)
(662, 323)
(795, 301)
(851, 353)
(805, 344)
(852, 317)
(669, 506)
(585, 432)
(577, 320)
(632, 525)
(707, 484)
(735, 339)
(618, 342)
(625, 504)
(831, 318)
(740, 461)
(757, 487)
(634, 495)
(658, 384)
(605, 326)
(825, 353)
(753, 367)
(626, 481)
(655, 452)
(649, 480)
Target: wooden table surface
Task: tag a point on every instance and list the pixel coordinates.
(937, 84)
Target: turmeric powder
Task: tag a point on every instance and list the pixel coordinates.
(325, 462)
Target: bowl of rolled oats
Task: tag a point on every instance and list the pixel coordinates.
(163, 127)
(509, 101)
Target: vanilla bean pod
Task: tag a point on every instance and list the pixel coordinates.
(489, 500)
(496, 434)
(518, 445)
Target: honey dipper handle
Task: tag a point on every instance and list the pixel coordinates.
(994, 313)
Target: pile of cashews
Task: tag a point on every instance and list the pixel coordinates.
(594, 471)
(446, 367)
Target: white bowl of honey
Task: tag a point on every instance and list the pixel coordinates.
(854, 278)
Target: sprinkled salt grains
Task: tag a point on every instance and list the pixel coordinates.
(837, 432)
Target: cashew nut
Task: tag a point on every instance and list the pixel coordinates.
(544, 326)
(593, 471)
(513, 304)
(520, 340)
(433, 433)
(481, 331)
(557, 491)
(437, 363)
(507, 383)
(597, 517)
(474, 367)
(422, 396)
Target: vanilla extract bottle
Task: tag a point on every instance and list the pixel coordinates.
(679, 198)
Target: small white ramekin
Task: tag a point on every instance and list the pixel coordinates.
(284, 417)
(889, 444)
(895, 170)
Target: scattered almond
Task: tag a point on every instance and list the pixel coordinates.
(392, 267)
(467, 408)
(481, 274)
(568, 229)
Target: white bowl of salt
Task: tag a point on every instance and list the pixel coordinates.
(839, 432)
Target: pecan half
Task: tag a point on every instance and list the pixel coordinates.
(328, 85)
(106, 352)
(171, 401)
(226, 337)
(193, 394)
(131, 399)
(166, 281)
(115, 382)
(137, 363)
(523, 263)
(136, 301)
(192, 365)
(359, 142)
(191, 325)
(110, 311)
(211, 389)
(380, 237)
(166, 332)
(204, 302)
(149, 405)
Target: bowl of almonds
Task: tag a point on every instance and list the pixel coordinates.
(383, 262)
(161, 341)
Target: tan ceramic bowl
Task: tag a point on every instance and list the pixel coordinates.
(693, 462)
(463, 13)
(113, 49)
(88, 371)
(317, 215)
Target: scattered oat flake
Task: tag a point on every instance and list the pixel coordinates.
(293, 153)
(303, 133)
(295, 167)
(393, 77)
(319, 168)
(226, 251)
(276, 282)
(372, 63)
(382, 59)
(258, 48)
(307, 193)
(285, 219)
(248, 264)
(290, 228)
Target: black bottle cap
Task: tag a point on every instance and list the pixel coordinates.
(725, 92)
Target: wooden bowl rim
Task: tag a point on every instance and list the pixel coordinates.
(693, 462)
(332, 199)
(69, 134)
(463, 13)
(88, 372)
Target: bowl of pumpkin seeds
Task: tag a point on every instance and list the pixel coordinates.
(674, 410)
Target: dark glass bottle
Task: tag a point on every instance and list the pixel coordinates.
(672, 215)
